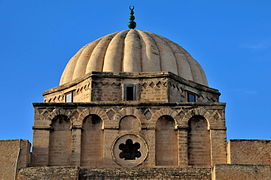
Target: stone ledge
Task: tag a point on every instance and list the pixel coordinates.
(250, 140)
(12, 140)
(128, 104)
(48, 128)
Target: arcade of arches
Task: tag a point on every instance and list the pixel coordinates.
(130, 143)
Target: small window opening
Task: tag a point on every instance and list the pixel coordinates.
(69, 98)
(130, 92)
(191, 97)
(129, 150)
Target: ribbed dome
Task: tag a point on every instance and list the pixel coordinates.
(133, 51)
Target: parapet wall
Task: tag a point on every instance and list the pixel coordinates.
(49, 173)
(75, 173)
(14, 154)
(249, 152)
(220, 172)
(241, 172)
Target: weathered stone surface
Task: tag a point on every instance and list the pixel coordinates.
(48, 173)
(128, 118)
(147, 173)
(74, 173)
(249, 151)
(14, 154)
(241, 172)
(151, 87)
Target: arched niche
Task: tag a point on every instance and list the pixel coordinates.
(166, 148)
(199, 147)
(130, 123)
(92, 141)
(60, 141)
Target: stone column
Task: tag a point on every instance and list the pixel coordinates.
(183, 147)
(40, 154)
(76, 145)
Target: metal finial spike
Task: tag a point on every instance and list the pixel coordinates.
(132, 23)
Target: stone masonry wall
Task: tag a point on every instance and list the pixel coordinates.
(199, 147)
(112, 89)
(14, 154)
(166, 145)
(249, 152)
(112, 114)
(153, 90)
(151, 87)
(241, 172)
(80, 91)
(219, 172)
(146, 174)
(106, 89)
(49, 173)
(178, 92)
(69, 173)
(60, 142)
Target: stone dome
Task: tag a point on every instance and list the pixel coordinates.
(133, 51)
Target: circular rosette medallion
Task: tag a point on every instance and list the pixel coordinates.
(129, 150)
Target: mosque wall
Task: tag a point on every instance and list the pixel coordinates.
(241, 172)
(249, 152)
(92, 141)
(14, 154)
(178, 91)
(218, 172)
(60, 141)
(79, 89)
(106, 89)
(112, 88)
(166, 144)
(153, 90)
(61, 131)
(41, 148)
(48, 173)
(75, 173)
(199, 147)
(147, 87)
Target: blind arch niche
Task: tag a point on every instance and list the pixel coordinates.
(199, 146)
(60, 141)
(166, 149)
(92, 138)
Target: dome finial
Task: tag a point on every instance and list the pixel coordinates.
(132, 23)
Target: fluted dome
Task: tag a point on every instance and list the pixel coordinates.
(133, 51)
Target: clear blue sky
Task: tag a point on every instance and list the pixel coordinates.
(231, 40)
